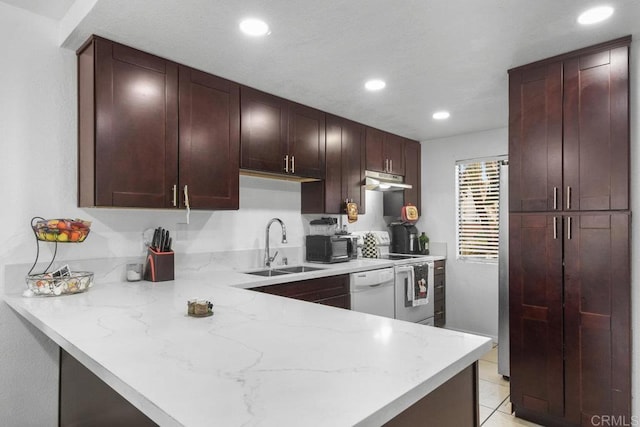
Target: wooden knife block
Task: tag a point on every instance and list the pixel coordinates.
(159, 266)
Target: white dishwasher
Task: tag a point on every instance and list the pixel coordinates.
(373, 292)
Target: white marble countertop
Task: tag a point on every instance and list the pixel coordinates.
(259, 360)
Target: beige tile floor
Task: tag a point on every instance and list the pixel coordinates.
(495, 408)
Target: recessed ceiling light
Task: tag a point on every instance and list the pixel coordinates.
(441, 115)
(595, 15)
(375, 84)
(254, 27)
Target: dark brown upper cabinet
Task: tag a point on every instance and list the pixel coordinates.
(569, 132)
(281, 137)
(209, 140)
(344, 170)
(412, 156)
(153, 134)
(384, 152)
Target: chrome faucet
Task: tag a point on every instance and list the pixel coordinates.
(268, 259)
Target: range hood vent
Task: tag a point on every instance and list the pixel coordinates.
(379, 181)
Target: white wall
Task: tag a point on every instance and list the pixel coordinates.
(38, 173)
(472, 288)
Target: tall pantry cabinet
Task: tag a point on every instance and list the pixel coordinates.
(569, 237)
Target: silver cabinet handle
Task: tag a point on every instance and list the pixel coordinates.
(390, 165)
(293, 164)
(568, 197)
(569, 228)
(286, 163)
(555, 227)
(175, 195)
(555, 197)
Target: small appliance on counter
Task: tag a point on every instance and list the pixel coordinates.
(329, 249)
(405, 238)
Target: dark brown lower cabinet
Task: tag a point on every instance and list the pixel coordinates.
(85, 400)
(569, 279)
(332, 290)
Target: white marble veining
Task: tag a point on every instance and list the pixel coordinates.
(259, 360)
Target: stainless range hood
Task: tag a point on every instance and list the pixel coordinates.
(379, 181)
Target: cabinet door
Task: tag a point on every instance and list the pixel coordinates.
(136, 114)
(596, 131)
(263, 136)
(597, 316)
(209, 140)
(353, 135)
(344, 170)
(535, 139)
(535, 313)
(394, 153)
(412, 173)
(306, 141)
(375, 157)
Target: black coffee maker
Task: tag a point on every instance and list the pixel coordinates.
(404, 238)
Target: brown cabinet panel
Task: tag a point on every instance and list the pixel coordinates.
(209, 140)
(263, 136)
(596, 131)
(439, 294)
(313, 290)
(344, 170)
(281, 137)
(375, 159)
(535, 139)
(341, 301)
(142, 119)
(535, 295)
(306, 141)
(129, 99)
(384, 152)
(597, 316)
(412, 174)
(393, 149)
(570, 269)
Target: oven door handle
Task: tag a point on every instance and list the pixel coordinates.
(409, 284)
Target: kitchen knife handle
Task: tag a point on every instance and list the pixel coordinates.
(293, 164)
(175, 195)
(555, 197)
(286, 163)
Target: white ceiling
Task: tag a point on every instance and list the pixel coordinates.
(433, 54)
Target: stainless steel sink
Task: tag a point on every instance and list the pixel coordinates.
(298, 269)
(283, 270)
(267, 273)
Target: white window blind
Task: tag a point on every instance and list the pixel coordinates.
(478, 204)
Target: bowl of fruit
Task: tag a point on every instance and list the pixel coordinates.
(54, 284)
(61, 230)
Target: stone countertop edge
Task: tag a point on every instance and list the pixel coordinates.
(393, 404)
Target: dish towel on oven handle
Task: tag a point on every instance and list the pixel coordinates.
(418, 292)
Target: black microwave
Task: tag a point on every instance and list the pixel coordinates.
(329, 249)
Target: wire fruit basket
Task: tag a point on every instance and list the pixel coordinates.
(61, 281)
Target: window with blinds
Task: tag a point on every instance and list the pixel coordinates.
(477, 209)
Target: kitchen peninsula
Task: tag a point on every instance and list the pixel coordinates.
(260, 359)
